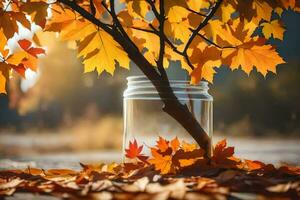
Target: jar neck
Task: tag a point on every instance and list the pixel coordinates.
(141, 86)
(143, 81)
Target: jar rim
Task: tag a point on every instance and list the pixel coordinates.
(143, 79)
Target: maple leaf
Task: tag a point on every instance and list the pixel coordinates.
(101, 52)
(32, 53)
(60, 19)
(253, 53)
(175, 144)
(225, 12)
(223, 156)
(97, 48)
(253, 165)
(176, 10)
(137, 8)
(205, 61)
(273, 28)
(197, 5)
(250, 9)
(162, 144)
(8, 22)
(244, 50)
(8, 62)
(135, 151)
(162, 163)
(37, 11)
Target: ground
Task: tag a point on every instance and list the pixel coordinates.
(30, 151)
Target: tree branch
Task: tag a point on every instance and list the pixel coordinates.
(141, 29)
(213, 43)
(105, 6)
(197, 13)
(119, 25)
(92, 7)
(153, 8)
(160, 61)
(178, 111)
(202, 24)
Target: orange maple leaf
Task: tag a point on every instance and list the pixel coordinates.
(162, 144)
(162, 163)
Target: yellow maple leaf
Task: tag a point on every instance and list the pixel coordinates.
(97, 48)
(198, 5)
(176, 10)
(225, 11)
(100, 51)
(273, 28)
(178, 30)
(254, 53)
(138, 8)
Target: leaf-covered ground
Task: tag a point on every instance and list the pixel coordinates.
(174, 170)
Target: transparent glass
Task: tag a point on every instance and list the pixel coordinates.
(144, 119)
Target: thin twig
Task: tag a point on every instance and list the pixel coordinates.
(195, 12)
(173, 47)
(213, 43)
(153, 8)
(106, 7)
(141, 29)
(92, 7)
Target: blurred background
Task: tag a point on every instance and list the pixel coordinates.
(60, 113)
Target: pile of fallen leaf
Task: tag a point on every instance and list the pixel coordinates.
(175, 170)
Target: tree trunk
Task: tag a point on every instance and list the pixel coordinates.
(172, 105)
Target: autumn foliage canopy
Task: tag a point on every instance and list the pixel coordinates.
(201, 34)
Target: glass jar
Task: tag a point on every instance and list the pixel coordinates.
(145, 121)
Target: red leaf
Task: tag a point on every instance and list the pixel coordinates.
(24, 44)
(36, 51)
(20, 69)
(134, 151)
